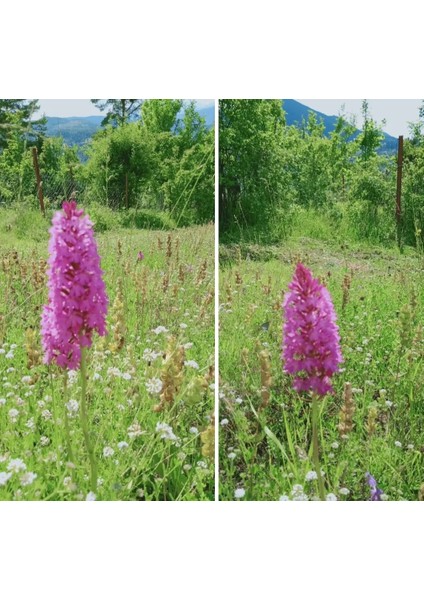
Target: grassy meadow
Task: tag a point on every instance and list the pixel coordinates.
(265, 427)
(160, 344)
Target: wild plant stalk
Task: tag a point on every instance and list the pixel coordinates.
(67, 429)
(315, 445)
(84, 422)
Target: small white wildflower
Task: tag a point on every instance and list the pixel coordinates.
(188, 345)
(344, 491)
(30, 424)
(212, 386)
(2, 401)
(44, 440)
(311, 476)
(331, 497)
(126, 376)
(384, 497)
(114, 371)
(90, 496)
(389, 403)
(134, 430)
(398, 444)
(160, 329)
(4, 477)
(191, 363)
(72, 406)
(13, 414)
(166, 432)
(239, 493)
(183, 326)
(97, 377)
(28, 478)
(108, 451)
(201, 464)
(2, 351)
(335, 445)
(284, 498)
(154, 385)
(187, 467)
(26, 379)
(181, 456)
(47, 415)
(122, 445)
(410, 446)
(297, 488)
(231, 455)
(194, 430)
(41, 404)
(15, 465)
(10, 355)
(13, 346)
(150, 355)
(224, 422)
(72, 376)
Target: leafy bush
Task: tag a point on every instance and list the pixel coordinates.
(146, 219)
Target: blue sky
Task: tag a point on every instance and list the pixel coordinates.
(396, 112)
(83, 108)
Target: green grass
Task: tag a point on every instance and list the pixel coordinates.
(175, 292)
(266, 451)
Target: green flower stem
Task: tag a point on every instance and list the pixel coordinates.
(67, 429)
(315, 445)
(84, 423)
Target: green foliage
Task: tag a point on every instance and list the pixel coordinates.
(145, 218)
(118, 112)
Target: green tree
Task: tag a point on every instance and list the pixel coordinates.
(118, 112)
(17, 116)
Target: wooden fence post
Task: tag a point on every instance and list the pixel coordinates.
(399, 192)
(39, 182)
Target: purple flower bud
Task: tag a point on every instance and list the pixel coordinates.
(311, 349)
(140, 256)
(77, 301)
(375, 491)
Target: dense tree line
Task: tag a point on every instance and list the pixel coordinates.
(269, 171)
(145, 156)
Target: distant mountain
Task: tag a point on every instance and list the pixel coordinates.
(296, 112)
(78, 130)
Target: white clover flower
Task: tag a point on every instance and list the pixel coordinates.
(212, 386)
(72, 406)
(335, 445)
(239, 493)
(4, 478)
(284, 498)
(47, 415)
(191, 363)
(297, 489)
(97, 377)
(26, 379)
(10, 370)
(122, 445)
(2, 401)
(28, 478)
(108, 451)
(302, 497)
(126, 376)
(410, 446)
(114, 371)
(134, 430)
(150, 355)
(166, 432)
(30, 424)
(202, 464)
(311, 476)
(90, 496)
(187, 467)
(194, 430)
(13, 346)
(44, 440)
(344, 491)
(398, 444)
(231, 455)
(13, 414)
(15, 465)
(160, 330)
(331, 497)
(389, 403)
(238, 400)
(181, 456)
(154, 385)
(188, 345)
(183, 326)
(72, 376)
(2, 351)
(10, 355)
(224, 422)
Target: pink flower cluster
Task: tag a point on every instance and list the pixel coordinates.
(77, 302)
(311, 349)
